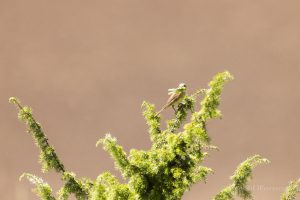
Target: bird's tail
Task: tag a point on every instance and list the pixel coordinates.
(162, 109)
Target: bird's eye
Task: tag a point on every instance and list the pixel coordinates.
(182, 85)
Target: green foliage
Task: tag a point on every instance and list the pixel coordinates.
(291, 190)
(118, 154)
(165, 171)
(42, 189)
(211, 101)
(186, 105)
(48, 157)
(108, 187)
(240, 179)
(74, 186)
(152, 120)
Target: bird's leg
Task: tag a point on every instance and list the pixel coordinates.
(174, 109)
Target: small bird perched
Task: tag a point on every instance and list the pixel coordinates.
(177, 94)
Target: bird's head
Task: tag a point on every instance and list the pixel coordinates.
(181, 87)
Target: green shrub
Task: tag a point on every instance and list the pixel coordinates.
(165, 171)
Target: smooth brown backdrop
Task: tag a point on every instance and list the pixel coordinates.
(86, 66)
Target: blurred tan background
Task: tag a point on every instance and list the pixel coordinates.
(86, 66)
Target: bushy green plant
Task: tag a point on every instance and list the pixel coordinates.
(165, 171)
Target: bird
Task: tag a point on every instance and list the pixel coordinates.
(176, 95)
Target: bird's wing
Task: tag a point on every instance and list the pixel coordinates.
(171, 91)
(173, 98)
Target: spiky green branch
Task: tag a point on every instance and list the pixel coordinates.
(118, 154)
(42, 189)
(291, 190)
(48, 156)
(240, 179)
